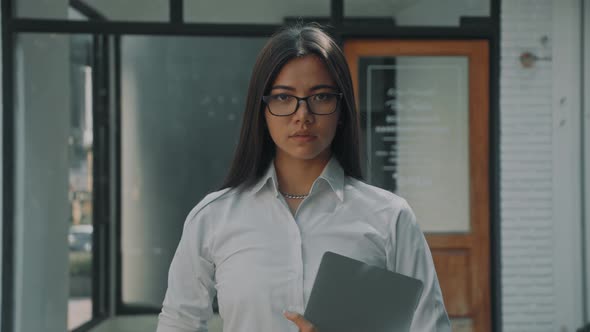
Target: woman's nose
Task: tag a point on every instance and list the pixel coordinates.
(303, 112)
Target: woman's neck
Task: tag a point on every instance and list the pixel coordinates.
(296, 176)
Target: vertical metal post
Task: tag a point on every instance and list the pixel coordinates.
(495, 216)
(8, 167)
(336, 18)
(176, 11)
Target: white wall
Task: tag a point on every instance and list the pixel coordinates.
(422, 13)
(586, 148)
(1, 168)
(526, 187)
(567, 161)
(526, 170)
(539, 167)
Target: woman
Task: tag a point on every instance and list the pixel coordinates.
(293, 193)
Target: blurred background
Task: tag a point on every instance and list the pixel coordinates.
(119, 116)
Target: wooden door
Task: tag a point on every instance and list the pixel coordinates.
(425, 121)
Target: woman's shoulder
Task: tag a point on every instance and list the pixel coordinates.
(212, 201)
(360, 191)
(386, 209)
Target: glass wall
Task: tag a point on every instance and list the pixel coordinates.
(43, 213)
(181, 109)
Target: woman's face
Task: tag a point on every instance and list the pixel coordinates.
(303, 135)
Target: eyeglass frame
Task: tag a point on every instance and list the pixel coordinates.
(299, 99)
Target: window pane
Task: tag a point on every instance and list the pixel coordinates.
(54, 9)
(418, 12)
(254, 11)
(80, 181)
(182, 103)
(116, 10)
(133, 10)
(53, 182)
(415, 123)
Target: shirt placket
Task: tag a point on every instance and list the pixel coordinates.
(296, 296)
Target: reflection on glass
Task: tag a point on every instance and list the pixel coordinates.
(461, 324)
(46, 9)
(182, 103)
(80, 183)
(415, 123)
(418, 12)
(114, 10)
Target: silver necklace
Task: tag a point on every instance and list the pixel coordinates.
(293, 196)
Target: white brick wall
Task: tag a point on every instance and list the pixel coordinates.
(526, 169)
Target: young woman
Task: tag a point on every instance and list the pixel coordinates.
(293, 193)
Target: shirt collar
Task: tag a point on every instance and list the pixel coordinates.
(333, 174)
(269, 176)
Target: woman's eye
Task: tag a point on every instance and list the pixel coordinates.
(321, 97)
(281, 97)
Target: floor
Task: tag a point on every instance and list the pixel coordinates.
(148, 323)
(142, 323)
(79, 312)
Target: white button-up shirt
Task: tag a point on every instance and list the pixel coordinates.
(246, 246)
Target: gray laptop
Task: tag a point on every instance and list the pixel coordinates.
(351, 296)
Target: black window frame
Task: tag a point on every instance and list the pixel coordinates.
(107, 199)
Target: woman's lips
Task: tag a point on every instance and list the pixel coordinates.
(303, 138)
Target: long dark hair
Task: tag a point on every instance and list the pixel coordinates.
(256, 148)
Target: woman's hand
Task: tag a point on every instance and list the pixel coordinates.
(302, 323)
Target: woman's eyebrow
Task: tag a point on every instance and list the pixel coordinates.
(314, 88)
(284, 87)
(323, 86)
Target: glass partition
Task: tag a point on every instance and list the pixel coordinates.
(114, 10)
(80, 234)
(181, 109)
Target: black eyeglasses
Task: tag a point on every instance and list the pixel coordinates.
(320, 104)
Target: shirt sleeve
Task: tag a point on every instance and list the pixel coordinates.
(187, 305)
(411, 256)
